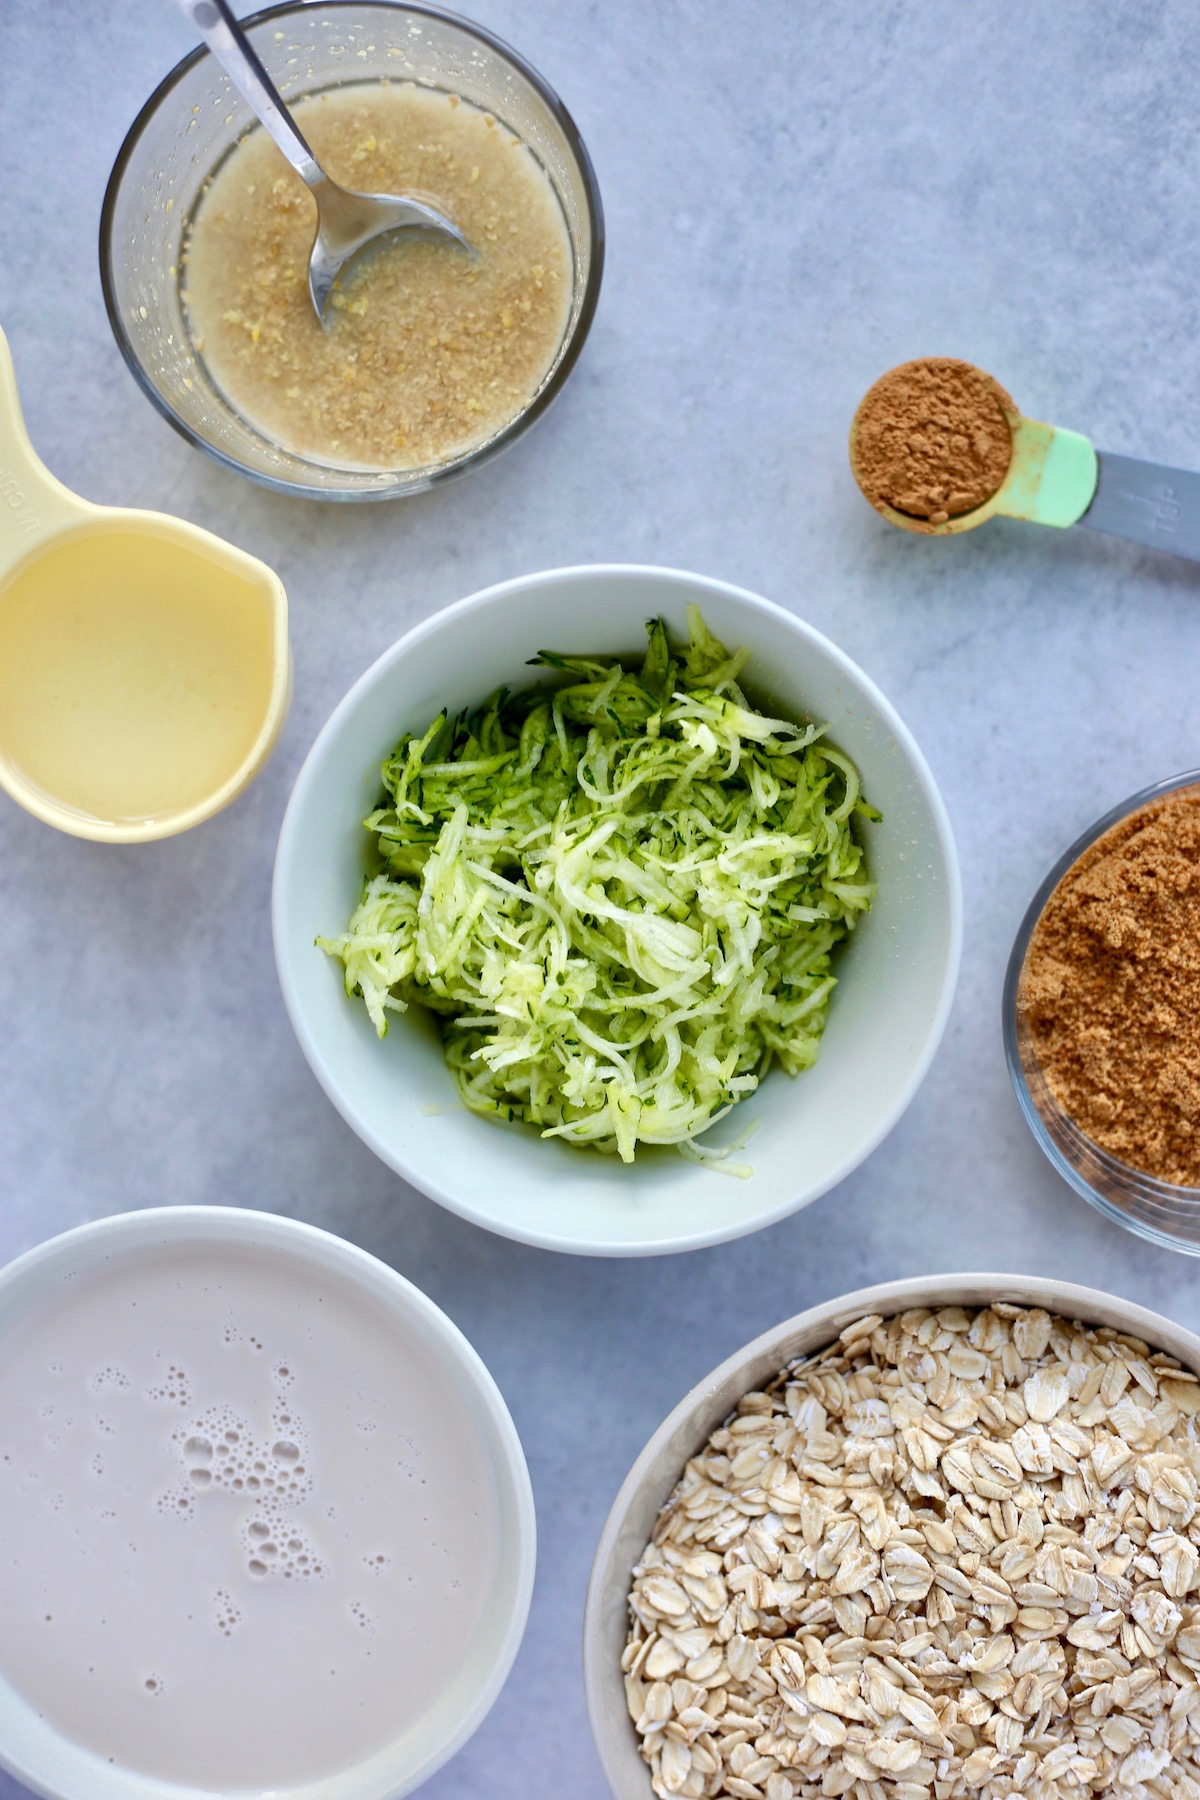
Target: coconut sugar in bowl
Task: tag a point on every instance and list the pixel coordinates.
(1102, 1014)
(432, 360)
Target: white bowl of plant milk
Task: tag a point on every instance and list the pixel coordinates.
(265, 1523)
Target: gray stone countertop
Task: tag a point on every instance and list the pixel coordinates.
(796, 198)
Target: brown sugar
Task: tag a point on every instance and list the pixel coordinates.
(427, 350)
(932, 439)
(1111, 990)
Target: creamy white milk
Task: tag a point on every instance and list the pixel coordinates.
(247, 1529)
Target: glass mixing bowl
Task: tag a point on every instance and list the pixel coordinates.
(195, 117)
(1154, 1209)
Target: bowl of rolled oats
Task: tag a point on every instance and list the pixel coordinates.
(939, 1538)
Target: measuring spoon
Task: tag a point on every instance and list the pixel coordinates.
(144, 665)
(1058, 477)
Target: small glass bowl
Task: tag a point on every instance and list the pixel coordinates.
(195, 117)
(1157, 1210)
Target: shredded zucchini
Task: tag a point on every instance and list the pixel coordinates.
(621, 890)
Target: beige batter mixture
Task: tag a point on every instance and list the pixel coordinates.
(427, 351)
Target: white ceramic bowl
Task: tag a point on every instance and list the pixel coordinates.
(656, 1471)
(887, 1016)
(62, 1769)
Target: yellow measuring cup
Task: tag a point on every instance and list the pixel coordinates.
(144, 664)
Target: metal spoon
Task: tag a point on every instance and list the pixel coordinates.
(1058, 477)
(347, 222)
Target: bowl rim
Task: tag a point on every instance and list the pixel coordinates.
(128, 1232)
(717, 1393)
(1070, 1171)
(423, 479)
(448, 619)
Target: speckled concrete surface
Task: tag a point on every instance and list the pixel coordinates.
(795, 199)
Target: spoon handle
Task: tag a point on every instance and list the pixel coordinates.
(229, 44)
(1147, 503)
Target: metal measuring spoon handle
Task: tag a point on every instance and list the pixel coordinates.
(232, 49)
(1146, 503)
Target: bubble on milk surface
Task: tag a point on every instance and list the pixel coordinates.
(277, 1546)
(228, 1614)
(111, 1379)
(176, 1503)
(220, 1454)
(174, 1389)
(233, 1334)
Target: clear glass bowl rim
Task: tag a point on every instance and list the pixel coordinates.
(525, 419)
(1154, 1189)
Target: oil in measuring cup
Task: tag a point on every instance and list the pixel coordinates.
(144, 666)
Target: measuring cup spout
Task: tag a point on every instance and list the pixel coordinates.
(34, 506)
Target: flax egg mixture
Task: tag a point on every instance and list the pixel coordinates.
(427, 350)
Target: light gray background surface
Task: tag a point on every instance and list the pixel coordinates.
(796, 197)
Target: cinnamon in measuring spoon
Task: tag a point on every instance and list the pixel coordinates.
(932, 439)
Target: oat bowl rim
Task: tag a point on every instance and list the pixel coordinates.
(657, 1469)
(167, 368)
(886, 1019)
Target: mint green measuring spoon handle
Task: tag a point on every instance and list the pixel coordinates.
(1057, 477)
(1146, 503)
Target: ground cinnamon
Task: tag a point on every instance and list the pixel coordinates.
(1111, 990)
(932, 439)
